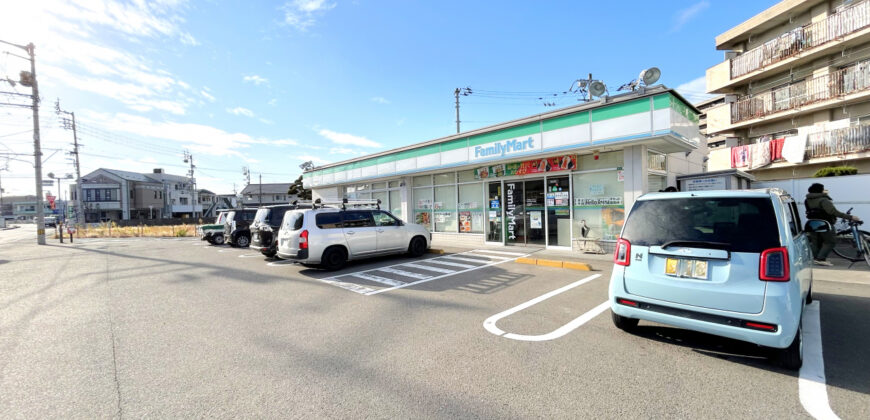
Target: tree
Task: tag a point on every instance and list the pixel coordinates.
(298, 190)
(307, 166)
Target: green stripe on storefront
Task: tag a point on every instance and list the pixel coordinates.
(583, 117)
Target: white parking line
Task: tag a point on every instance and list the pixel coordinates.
(251, 255)
(452, 264)
(349, 286)
(811, 383)
(430, 268)
(377, 279)
(463, 259)
(514, 254)
(281, 262)
(488, 257)
(411, 274)
(489, 323)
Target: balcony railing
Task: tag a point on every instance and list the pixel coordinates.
(657, 162)
(846, 81)
(838, 142)
(850, 19)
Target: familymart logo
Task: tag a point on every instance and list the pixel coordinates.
(504, 147)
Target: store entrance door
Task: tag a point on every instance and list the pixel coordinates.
(524, 212)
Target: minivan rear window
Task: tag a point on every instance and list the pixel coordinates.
(328, 220)
(293, 220)
(745, 224)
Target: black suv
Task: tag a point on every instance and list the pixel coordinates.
(265, 227)
(237, 227)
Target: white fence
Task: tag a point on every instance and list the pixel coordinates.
(846, 191)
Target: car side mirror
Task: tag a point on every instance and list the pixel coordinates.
(817, 226)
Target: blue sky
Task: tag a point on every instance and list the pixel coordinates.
(269, 85)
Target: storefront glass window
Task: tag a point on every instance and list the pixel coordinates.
(471, 208)
(363, 187)
(422, 206)
(606, 160)
(394, 184)
(558, 211)
(420, 181)
(467, 176)
(445, 209)
(445, 179)
(396, 204)
(598, 205)
(383, 196)
(379, 185)
(494, 224)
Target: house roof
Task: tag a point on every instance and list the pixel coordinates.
(141, 177)
(254, 189)
(130, 176)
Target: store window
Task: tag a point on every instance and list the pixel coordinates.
(445, 209)
(445, 179)
(558, 211)
(423, 180)
(467, 176)
(422, 205)
(383, 196)
(379, 185)
(598, 205)
(471, 208)
(396, 204)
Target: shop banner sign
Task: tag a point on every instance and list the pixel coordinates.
(528, 167)
(598, 202)
(704, 184)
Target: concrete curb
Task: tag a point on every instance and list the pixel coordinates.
(555, 263)
(436, 251)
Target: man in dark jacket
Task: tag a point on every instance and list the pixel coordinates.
(820, 206)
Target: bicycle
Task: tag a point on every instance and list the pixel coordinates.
(852, 243)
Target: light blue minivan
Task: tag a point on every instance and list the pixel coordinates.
(735, 264)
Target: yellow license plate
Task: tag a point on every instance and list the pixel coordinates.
(686, 268)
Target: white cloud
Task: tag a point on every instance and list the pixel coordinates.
(285, 142)
(303, 14)
(188, 39)
(266, 121)
(241, 111)
(350, 139)
(695, 90)
(380, 100)
(273, 102)
(255, 79)
(683, 16)
(205, 94)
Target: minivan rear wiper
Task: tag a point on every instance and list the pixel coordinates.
(702, 244)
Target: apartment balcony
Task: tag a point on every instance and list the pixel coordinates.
(842, 87)
(848, 28)
(838, 145)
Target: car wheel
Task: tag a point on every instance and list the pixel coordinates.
(333, 259)
(624, 323)
(217, 239)
(792, 357)
(270, 254)
(242, 241)
(417, 247)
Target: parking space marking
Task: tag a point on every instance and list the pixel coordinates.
(430, 268)
(349, 286)
(375, 278)
(452, 264)
(411, 274)
(489, 323)
(463, 259)
(281, 262)
(811, 382)
(251, 255)
(513, 254)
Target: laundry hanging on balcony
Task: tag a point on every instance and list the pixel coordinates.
(740, 156)
(794, 147)
(776, 149)
(759, 155)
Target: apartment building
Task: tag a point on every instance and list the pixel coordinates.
(111, 194)
(266, 194)
(796, 80)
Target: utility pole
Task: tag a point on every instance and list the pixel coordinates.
(261, 190)
(188, 156)
(4, 168)
(75, 153)
(464, 92)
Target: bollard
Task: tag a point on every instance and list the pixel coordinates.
(60, 231)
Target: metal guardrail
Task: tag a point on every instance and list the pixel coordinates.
(838, 142)
(852, 79)
(846, 21)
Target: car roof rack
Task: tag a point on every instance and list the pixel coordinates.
(345, 202)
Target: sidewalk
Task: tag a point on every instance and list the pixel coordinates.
(841, 273)
(596, 261)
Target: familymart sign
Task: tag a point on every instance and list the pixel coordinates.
(502, 148)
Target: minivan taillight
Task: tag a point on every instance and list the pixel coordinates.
(303, 240)
(774, 265)
(623, 249)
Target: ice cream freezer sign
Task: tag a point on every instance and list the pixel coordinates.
(499, 149)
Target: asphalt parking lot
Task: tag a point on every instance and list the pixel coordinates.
(177, 328)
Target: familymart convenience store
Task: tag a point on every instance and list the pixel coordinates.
(559, 179)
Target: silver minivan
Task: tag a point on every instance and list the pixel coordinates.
(331, 236)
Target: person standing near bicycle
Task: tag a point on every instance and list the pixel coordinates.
(819, 205)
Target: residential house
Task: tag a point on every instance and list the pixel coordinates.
(266, 194)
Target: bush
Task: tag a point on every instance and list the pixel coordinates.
(835, 171)
(181, 232)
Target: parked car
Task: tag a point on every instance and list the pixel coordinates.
(50, 221)
(266, 223)
(237, 227)
(214, 232)
(330, 237)
(735, 264)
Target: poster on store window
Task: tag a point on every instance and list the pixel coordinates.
(535, 220)
(422, 218)
(465, 221)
